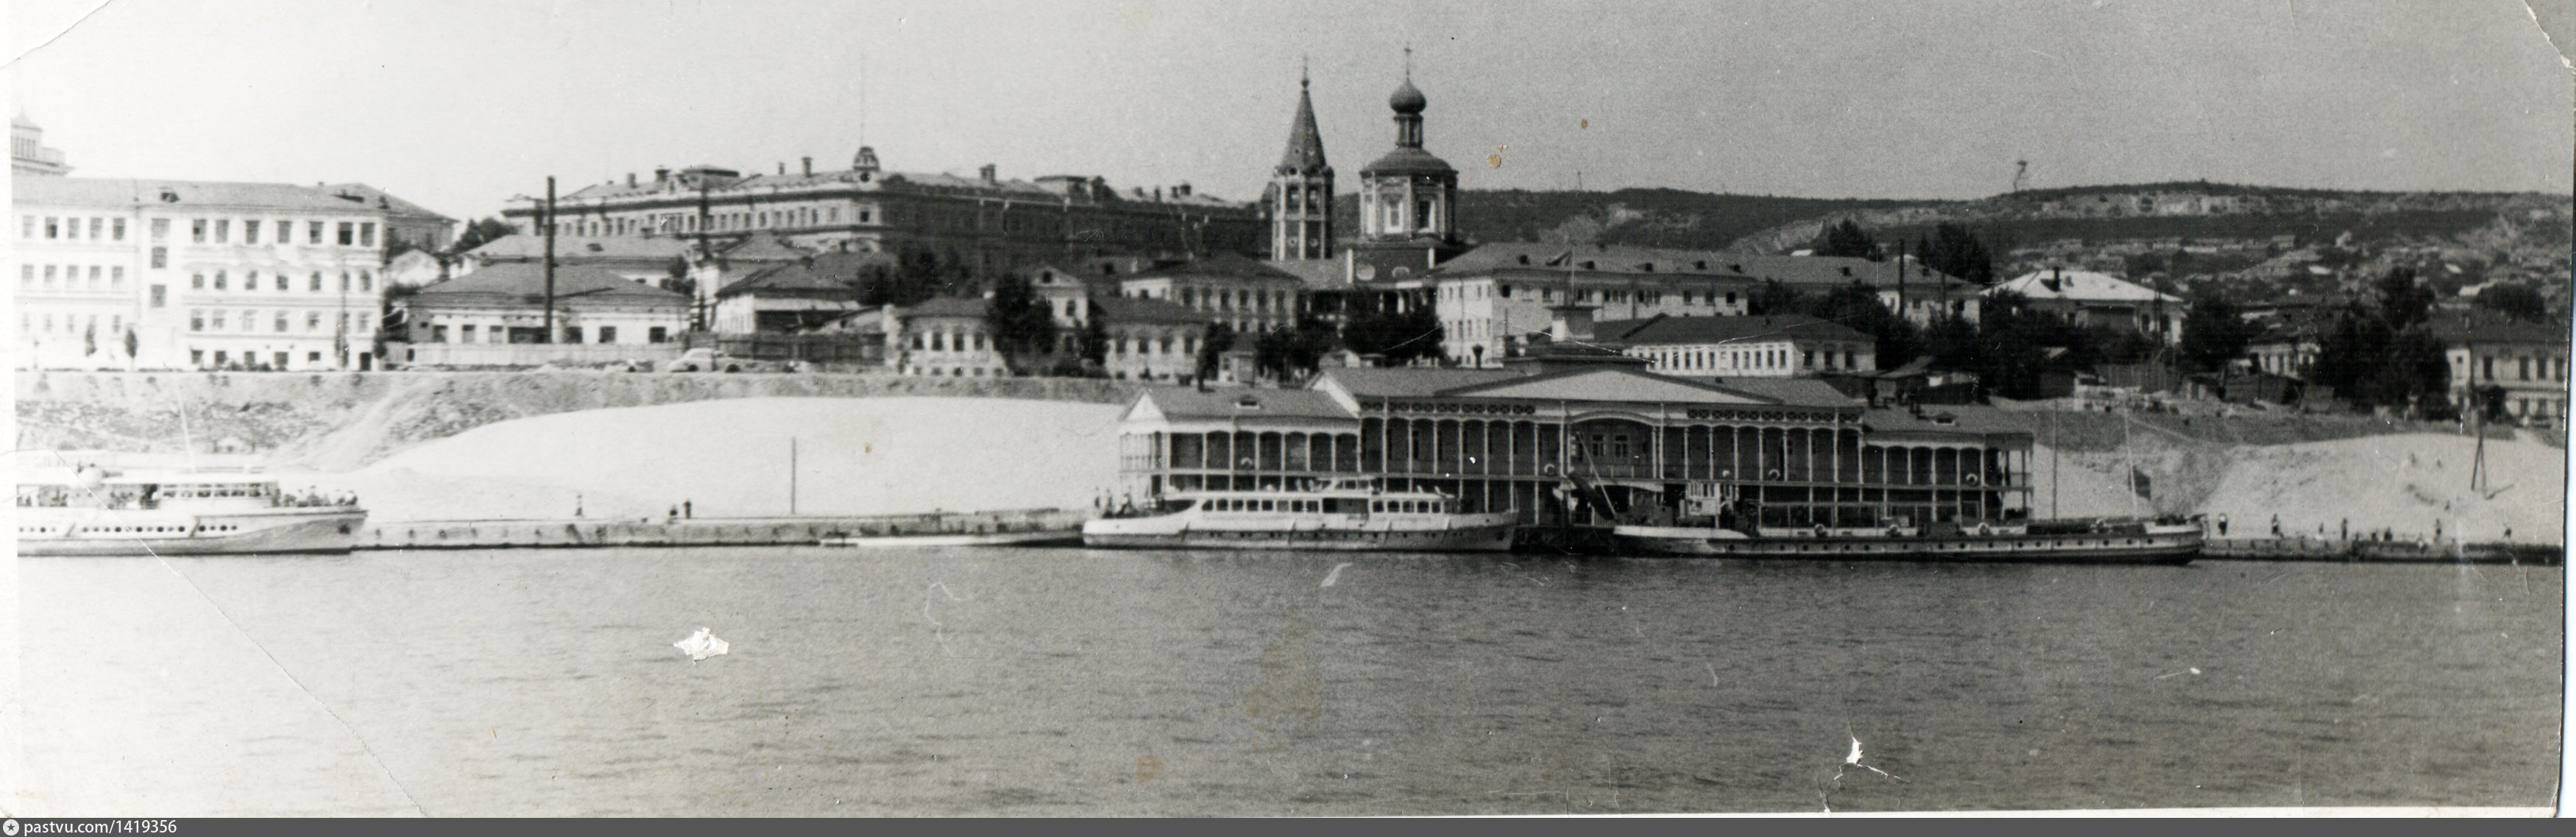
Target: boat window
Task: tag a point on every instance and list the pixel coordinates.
(1269, 505)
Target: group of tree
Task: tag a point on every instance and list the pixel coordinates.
(2380, 351)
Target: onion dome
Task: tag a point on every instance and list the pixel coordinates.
(1407, 100)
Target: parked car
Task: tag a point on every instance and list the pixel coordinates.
(710, 360)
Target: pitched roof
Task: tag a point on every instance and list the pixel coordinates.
(1400, 382)
(1187, 403)
(525, 279)
(1316, 274)
(124, 192)
(2489, 327)
(1115, 309)
(763, 247)
(568, 247)
(948, 306)
(1663, 330)
(2081, 286)
(1608, 383)
(1305, 154)
(1217, 265)
(1801, 391)
(832, 273)
(384, 199)
(1947, 418)
(1407, 161)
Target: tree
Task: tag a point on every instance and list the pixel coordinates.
(2383, 353)
(1952, 249)
(1897, 341)
(1094, 345)
(2402, 300)
(1396, 336)
(2213, 334)
(1219, 340)
(1846, 239)
(2519, 302)
(1293, 352)
(479, 233)
(1772, 298)
(1022, 324)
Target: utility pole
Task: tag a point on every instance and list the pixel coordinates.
(550, 261)
(1900, 280)
(698, 295)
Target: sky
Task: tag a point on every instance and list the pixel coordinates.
(462, 104)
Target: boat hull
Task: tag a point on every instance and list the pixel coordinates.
(2086, 548)
(1490, 535)
(299, 531)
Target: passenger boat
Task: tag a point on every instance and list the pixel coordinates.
(89, 511)
(2169, 540)
(1328, 514)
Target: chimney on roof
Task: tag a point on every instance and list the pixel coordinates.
(630, 179)
(989, 173)
(782, 167)
(1181, 191)
(1158, 194)
(809, 165)
(661, 173)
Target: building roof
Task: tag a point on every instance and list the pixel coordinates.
(1115, 309)
(517, 246)
(1305, 154)
(384, 200)
(1407, 161)
(948, 306)
(763, 247)
(2488, 327)
(1316, 274)
(1664, 331)
(526, 279)
(1803, 391)
(1411, 382)
(828, 273)
(130, 192)
(1804, 272)
(1217, 265)
(2081, 286)
(1187, 403)
(1947, 418)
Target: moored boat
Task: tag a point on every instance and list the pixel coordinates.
(89, 511)
(1323, 514)
(2075, 541)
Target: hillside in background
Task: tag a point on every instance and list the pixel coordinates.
(2184, 211)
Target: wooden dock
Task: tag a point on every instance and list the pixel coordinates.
(576, 533)
(2380, 552)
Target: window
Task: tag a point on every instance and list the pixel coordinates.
(464, 334)
(53, 227)
(607, 334)
(250, 232)
(313, 232)
(117, 229)
(656, 335)
(160, 295)
(26, 226)
(1730, 297)
(116, 277)
(26, 276)
(93, 277)
(366, 280)
(281, 359)
(284, 283)
(197, 230)
(2525, 364)
(196, 320)
(196, 357)
(250, 321)
(367, 234)
(223, 230)
(219, 280)
(216, 322)
(160, 257)
(313, 357)
(313, 322)
(94, 225)
(344, 281)
(438, 334)
(49, 275)
(348, 233)
(317, 281)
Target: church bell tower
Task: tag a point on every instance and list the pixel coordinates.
(1301, 189)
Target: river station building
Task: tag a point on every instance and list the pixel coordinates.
(1533, 436)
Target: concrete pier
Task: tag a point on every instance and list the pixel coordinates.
(579, 532)
(2381, 552)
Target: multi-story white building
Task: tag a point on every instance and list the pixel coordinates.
(1496, 295)
(1772, 346)
(171, 274)
(2522, 365)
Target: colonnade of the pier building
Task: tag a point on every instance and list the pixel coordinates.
(1794, 475)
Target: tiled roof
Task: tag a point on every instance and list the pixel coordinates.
(948, 306)
(763, 247)
(567, 248)
(525, 279)
(829, 272)
(1316, 274)
(1113, 309)
(1186, 403)
(1663, 330)
(2081, 286)
(122, 192)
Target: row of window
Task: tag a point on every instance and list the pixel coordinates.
(1248, 301)
(1716, 360)
(275, 360)
(201, 230)
(680, 222)
(469, 333)
(218, 319)
(365, 281)
(2548, 368)
(71, 324)
(68, 277)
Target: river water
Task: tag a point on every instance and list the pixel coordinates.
(1067, 681)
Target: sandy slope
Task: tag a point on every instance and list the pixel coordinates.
(854, 456)
(893, 455)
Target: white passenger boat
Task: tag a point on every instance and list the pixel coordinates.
(2080, 541)
(1327, 514)
(87, 510)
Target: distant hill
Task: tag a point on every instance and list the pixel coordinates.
(2197, 211)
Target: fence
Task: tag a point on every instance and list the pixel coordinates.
(534, 354)
(861, 349)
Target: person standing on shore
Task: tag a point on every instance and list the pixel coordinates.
(2276, 526)
(2222, 524)
(688, 510)
(2343, 531)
